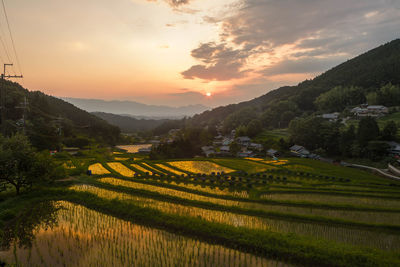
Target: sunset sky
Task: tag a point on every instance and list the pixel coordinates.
(174, 52)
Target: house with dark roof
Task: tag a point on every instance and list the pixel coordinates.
(299, 151)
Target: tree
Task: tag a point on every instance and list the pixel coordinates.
(368, 130)
(347, 139)
(20, 166)
(339, 98)
(234, 148)
(389, 132)
(254, 127)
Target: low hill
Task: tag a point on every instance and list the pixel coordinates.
(129, 124)
(369, 71)
(134, 108)
(50, 122)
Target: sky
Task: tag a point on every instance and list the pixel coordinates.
(181, 52)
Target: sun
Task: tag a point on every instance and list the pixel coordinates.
(208, 94)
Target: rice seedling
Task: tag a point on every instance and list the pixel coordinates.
(171, 170)
(134, 148)
(296, 167)
(120, 159)
(206, 167)
(140, 168)
(255, 159)
(121, 169)
(275, 162)
(248, 166)
(325, 198)
(84, 237)
(390, 218)
(352, 236)
(154, 170)
(168, 192)
(98, 169)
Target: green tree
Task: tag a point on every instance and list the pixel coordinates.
(389, 95)
(339, 98)
(368, 130)
(389, 132)
(347, 139)
(254, 127)
(234, 148)
(21, 167)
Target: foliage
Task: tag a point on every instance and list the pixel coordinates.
(129, 124)
(21, 167)
(186, 145)
(368, 130)
(339, 98)
(50, 121)
(389, 132)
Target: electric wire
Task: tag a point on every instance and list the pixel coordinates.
(12, 38)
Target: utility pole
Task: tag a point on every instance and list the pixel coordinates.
(3, 96)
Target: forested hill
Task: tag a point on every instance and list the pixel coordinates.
(51, 122)
(369, 71)
(129, 124)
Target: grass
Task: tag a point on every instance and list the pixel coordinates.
(275, 135)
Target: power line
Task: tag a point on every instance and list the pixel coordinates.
(11, 37)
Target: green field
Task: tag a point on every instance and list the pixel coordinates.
(275, 135)
(260, 213)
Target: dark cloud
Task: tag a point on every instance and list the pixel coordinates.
(176, 3)
(220, 63)
(320, 34)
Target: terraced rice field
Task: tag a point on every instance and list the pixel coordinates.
(151, 168)
(390, 218)
(98, 169)
(121, 159)
(249, 166)
(134, 148)
(171, 170)
(339, 234)
(83, 237)
(206, 167)
(350, 200)
(121, 169)
(328, 206)
(140, 168)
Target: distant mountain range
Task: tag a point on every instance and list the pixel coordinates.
(128, 124)
(135, 109)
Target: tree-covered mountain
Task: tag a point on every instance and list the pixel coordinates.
(129, 124)
(361, 78)
(51, 122)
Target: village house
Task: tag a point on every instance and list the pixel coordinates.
(372, 111)
(227, 141)
(256, 147)
(243, 140)
(394, 148)
(272, 153)
(299, 151)
(208, 150)
(331, 116)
